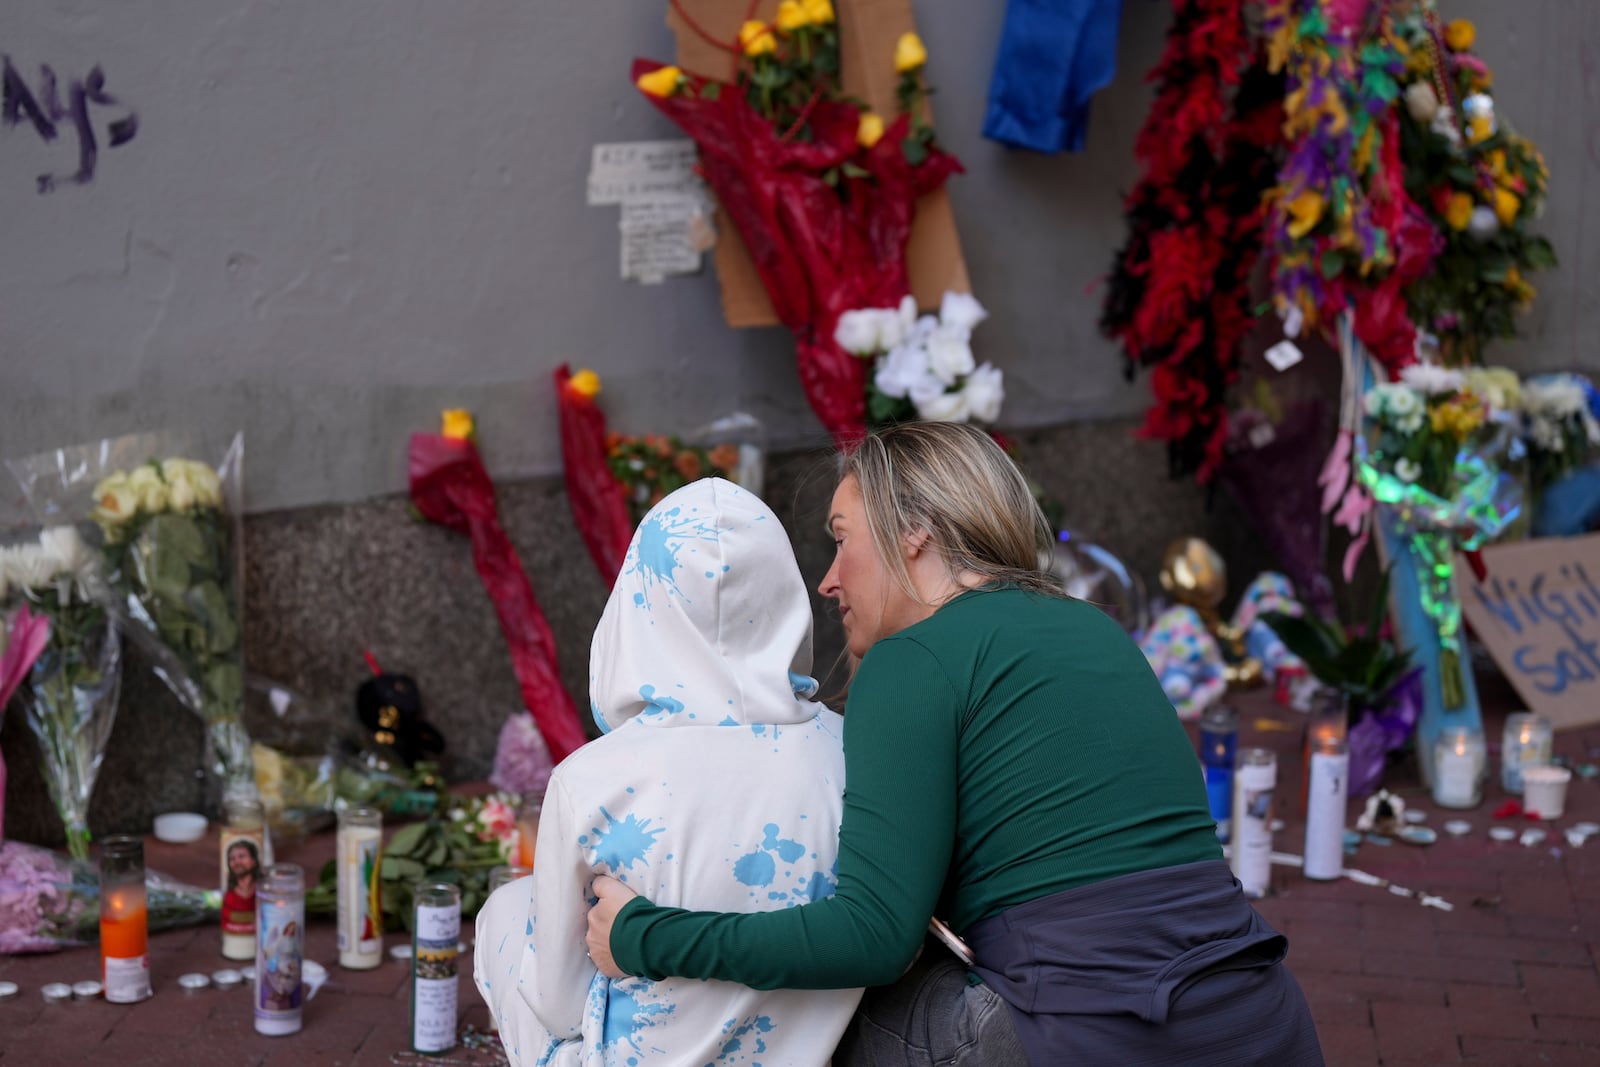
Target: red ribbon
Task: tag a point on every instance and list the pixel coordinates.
(450, 486)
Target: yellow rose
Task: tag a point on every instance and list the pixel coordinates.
(819, 12)
(148, 489)
(180, 490)
(791, 16)
(1459, 211)
(1506, 206)
(1460, 35)
(115, 501)
(663, 81)
(909, 54)
(1306, 211)
(207, 486)
(586, 383)
(869, 131)
(757, 38)
(457, 424)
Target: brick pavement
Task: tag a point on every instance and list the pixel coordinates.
(1510, 977)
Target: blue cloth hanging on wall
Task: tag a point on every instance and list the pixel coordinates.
(1054, 56)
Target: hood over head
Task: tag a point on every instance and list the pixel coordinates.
(708, 623)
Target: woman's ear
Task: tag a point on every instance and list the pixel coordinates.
(915, 542)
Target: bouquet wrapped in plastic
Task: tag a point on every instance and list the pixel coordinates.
(49, 901)
(69, 691)
(170, 538)
(822, 190)
(22, 638)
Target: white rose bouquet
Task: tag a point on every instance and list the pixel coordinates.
(924, 368)
(1559, 425)
(172, 566)
(69, 693)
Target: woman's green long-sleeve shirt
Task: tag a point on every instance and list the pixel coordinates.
(1008, 747)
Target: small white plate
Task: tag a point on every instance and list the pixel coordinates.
(180, 827)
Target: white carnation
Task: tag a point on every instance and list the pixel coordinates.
(946, 407)
(903, 368)
(985, 392)
(1432, 380)
(859, 333)
(961, 312)
(949, 355)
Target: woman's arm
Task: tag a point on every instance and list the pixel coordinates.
(896, 840)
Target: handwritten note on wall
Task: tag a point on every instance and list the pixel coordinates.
(665, 218)
(1538, 612)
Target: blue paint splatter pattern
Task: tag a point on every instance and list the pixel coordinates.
(654, 554)
(759, 870)
(743, 1039)
(620, 844)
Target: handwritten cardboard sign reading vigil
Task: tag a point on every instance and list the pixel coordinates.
(1538, 611)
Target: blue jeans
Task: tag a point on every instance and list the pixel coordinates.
(931, 1017)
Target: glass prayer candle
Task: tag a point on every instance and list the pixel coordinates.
(1527, 741)
(280, 950)
(242, 857)
(1459, 763)
(360, 914)
(528, 830)
(124, 921)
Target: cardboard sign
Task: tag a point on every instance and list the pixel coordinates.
(868, 31)
(1538, 611)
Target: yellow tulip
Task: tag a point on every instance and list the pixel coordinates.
(757, 39)
(819, 12)
(1460, 34)
(586, 383)
(909, 54)
(869, 131)
(792, 16)
(1506, 206)
(457, 424)
(1306, 211)
(1459, 211)
(663, 81)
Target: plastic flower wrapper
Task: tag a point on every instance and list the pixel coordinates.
(167, 510)
(22, 638)
(450, 486)
(459, 844)
(1560, 429)
(49, 901)
(69, 694)
(599, 502)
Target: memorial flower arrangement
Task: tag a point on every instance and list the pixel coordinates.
(460, 843)
(1560, 424)
(822, 190)
(171, 547)
(651, 466)
(69, 689)
(1480, 184)
(923, 367)
(50, 901)
(451, 487)
(1422, 423)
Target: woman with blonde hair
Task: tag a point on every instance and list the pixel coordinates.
(1013, 766)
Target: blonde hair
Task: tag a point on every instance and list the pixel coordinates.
(955, 482)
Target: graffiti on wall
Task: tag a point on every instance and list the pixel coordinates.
(55, 108)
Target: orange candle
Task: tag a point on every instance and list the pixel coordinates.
(124, 924)
(527, 838)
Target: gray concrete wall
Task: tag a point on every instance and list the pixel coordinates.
(336, 219)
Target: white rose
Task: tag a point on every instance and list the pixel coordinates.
(207, 486)
(1421, 101)
(985, 391)
(946, 407)
(900, 370)
(148, 488)
(180, 492)
(949, 355)
(925, 390)
(898, 322)
(961, 312)
(858, 332)
(114, 501)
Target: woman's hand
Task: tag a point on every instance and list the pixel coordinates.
(613, 895)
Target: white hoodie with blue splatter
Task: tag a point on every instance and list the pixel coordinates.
(718, 786)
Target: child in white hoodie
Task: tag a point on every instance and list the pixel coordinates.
(718, 786)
